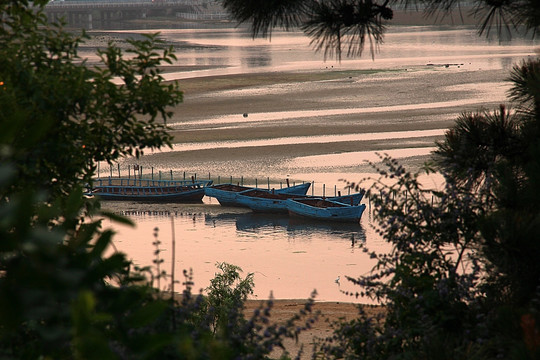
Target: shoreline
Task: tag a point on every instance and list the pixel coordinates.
(213, 107)
(330, 313)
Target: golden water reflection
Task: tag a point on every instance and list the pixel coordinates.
(289, 257)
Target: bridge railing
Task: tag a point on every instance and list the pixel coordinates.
(118, 4)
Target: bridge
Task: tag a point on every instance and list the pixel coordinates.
(80, 12)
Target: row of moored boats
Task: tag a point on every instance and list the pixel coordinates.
(291, 199)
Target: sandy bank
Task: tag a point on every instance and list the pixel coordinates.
(323, 103)
(330, 312)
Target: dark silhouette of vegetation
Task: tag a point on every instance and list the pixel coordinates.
(462, 279)
(59, 116)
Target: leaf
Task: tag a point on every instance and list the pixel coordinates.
(147, 314)
(103, 241)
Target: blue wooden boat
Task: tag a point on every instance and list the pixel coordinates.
(226, 193)
(148, 190)
(277, 203)
(325, 209)
(351, 199)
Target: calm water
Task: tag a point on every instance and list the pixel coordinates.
(289, 258)
(234, 51)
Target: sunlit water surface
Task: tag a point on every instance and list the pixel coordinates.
(232, 50)
(289, 257)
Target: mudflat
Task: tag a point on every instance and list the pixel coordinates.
(323, 103)
(328, 314)
(223, 105)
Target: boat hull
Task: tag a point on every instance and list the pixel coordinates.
(264, 201)
(277, 203)
(226, 194)
(188, 196)
(326, 210)
(160, 191)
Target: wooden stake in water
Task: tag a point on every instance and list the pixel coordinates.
(173, 260)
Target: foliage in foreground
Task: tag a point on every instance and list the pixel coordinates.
(60, 116)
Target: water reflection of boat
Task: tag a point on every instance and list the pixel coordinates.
(221, 218)
(297, 223)
(264, 201)
(226, 194)
(253, 222)
(325, 209)
(352, 232)
(147, 190)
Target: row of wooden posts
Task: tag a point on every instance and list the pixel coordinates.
(136, 171)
